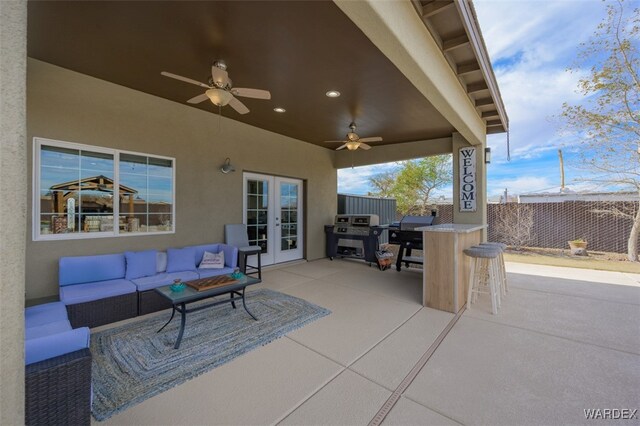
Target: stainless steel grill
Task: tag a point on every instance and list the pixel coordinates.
(353, 236)
(403, 233)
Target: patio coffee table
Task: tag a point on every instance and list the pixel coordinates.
(180, 299)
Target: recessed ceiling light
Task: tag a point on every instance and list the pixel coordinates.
(278, 109)
(333, 93)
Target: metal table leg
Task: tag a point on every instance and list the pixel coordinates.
(183, 319)
(245, 305)
(173, 312)
(233, 303)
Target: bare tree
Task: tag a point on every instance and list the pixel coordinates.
(608, 120)
(514, 224)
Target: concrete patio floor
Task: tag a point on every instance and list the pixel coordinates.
(565, 340)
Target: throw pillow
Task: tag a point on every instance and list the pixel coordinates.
(181, 259)
(212, 260)
(162, 261)
(140, 264)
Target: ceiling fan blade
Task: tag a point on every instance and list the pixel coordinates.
(219, 76)
(198, 99)
(341, 147)
(185, 79)
(335, 141)
(364, 145)
(238, 106)
(372, 139)
(251, 93)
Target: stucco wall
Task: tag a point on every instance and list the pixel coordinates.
(69, 106)
(13, 179)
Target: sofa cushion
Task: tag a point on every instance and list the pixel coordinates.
(183, 259)
(140, 263)
(206, 273)
(165, 278)
(212, 260)
(161, 261)
(80, 293)
(44, 314)
(41, 348)
(48, 329)
(85, 269)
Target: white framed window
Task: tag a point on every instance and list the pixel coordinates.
(84, 191)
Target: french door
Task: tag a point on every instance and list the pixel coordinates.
(273, 215)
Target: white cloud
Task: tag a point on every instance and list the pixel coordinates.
(356, 180)
(532, 43)
(519, 185)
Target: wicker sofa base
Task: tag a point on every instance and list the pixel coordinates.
(150, 301)
(58, 390)
(103, 311)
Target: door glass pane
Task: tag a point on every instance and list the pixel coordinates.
(288, 216)
(257, 213)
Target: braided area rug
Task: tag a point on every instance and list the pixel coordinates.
(132, 362)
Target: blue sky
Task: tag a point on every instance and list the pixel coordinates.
(531, 44)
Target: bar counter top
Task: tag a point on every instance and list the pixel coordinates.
(452, 227)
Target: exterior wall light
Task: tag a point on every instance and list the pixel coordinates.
(227, 167)
(487, 155)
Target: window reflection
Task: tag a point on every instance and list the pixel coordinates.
(78, 191)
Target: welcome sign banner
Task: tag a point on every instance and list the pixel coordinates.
(468, 184)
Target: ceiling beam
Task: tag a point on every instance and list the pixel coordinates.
(476, 87)
(490, 114)
(497, 129)
(455, 42)
(467, 67)
(494, 123)
(484, 102)
(434, 7)
(414, 51)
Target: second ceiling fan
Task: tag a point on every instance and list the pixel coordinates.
(353, 141)
(220, 89)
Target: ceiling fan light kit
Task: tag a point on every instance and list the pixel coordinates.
(353, 141)
(220, 90)
(219, 97)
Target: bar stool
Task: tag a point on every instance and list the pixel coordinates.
(502, 270)
(236, 235)
(484, 273)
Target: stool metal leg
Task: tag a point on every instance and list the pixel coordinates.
(472, 277)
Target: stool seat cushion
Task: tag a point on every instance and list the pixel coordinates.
(501, 246)
(482, 252)
(250, 249)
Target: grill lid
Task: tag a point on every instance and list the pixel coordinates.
(410, 223)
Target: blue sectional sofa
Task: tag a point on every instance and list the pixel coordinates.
(102, 289)
(58, 368)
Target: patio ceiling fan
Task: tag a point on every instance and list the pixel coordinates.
(353, 141)
(220, 89)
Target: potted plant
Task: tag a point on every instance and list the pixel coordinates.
(578, 247)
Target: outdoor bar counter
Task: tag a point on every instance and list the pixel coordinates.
(446, 268)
